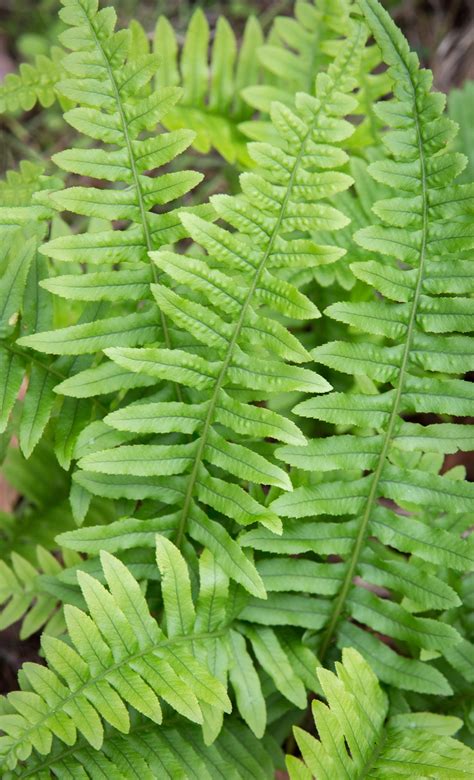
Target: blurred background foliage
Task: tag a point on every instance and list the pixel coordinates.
(442, 31)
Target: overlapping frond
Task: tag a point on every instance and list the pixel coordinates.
(109, 84)
(172, 751)
(119, 656)
(384, 486)
(34, 83)
(300, 47)
(280, 651)
(356, 740)
(235, 342)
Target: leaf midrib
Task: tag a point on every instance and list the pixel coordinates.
(238, 328)
(133, 168)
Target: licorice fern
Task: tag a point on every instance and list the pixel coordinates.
(395, 460)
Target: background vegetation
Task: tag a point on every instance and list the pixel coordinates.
(442, 31)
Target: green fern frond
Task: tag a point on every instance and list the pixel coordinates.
(239, 275)
(118, 654)
(356, 204)
(172, 751)
(34, 83)
(211, 104)
(23, 306)
(109, 82)
(426, 237)
(288, 662)
(356, 740)
(23, 596)
(296, 51)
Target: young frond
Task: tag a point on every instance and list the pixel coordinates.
(356, 740)
(384, 486)
(119, 655)
(280, 651)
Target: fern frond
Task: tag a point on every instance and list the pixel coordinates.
(118, 654)
(211, 104)
(109, 82)
(23, 596)
(172, 751)
(239, 275)
(395, 460)
(296, 51)
(24, 307)
(356, 740)
(288, 662)
(34, 83)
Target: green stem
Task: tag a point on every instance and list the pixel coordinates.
(373, 494)
(235, 336)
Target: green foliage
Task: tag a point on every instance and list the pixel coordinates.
(211, 103)
(34, 83)
(355, 740)
(412, 351)
(217, 487)
(24, 305)
(234, 283)
(460, 109)
(175, 750)
(24, 596)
